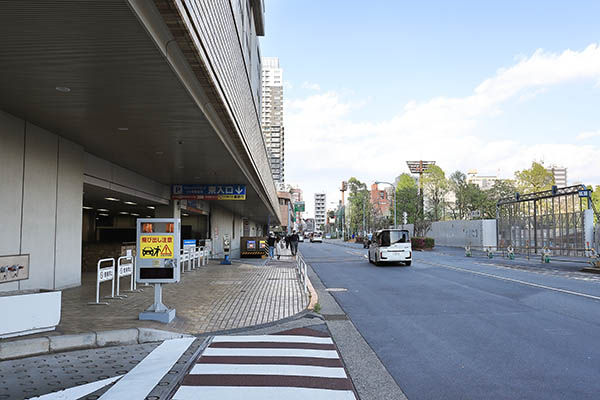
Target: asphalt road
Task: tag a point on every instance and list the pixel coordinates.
(451, 327)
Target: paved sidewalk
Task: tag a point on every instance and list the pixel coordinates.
(211, 298)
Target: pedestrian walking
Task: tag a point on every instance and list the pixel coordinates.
(271, 242)
(294, 239)
(287, 242)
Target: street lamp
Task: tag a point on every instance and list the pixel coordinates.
(394, 187)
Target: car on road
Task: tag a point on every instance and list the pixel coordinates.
(316, 237)
(390, 246)
(300, 237)
(328, 236)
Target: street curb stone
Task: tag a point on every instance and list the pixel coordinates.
(72, 342)
(23, 348)
(117, 337)
(53, 344)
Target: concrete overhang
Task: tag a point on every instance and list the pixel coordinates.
(95, 73)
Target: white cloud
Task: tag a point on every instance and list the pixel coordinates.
(588, 135)
(324, 145)
(311, 86)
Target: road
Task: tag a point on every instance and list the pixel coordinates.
(451, 327)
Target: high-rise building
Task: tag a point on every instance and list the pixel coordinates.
(320, 210)
(272, 117)
(560, 175)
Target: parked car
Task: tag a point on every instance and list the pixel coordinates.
(316, 237)
(328, 236)
(390, 246)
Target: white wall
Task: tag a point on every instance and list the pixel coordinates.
(478, 233)
(41, 190)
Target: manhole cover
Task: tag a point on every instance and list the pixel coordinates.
(336, 289)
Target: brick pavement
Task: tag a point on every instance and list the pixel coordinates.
(212, 298)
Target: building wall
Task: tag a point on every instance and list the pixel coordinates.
(478, 233)
(41, 212)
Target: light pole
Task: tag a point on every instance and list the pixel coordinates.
(393, 187)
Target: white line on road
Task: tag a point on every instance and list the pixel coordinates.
(76, 392)
(260, 393)
(273, 338)
(140, 381)
(589, 296)
(270, 353)
(268, 369)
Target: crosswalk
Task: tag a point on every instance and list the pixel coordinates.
(295, 364)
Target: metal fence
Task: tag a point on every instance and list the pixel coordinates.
(552, 219)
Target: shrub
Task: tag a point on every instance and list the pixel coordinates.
(419, 243)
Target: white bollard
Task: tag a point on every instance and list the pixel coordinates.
(103, 275)
(124, 270)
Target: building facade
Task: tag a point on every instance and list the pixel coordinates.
(381, 200)
(560, 175)
(272, 117)
(179, 104)
(320, 210)
(296, 198)
(483, 181)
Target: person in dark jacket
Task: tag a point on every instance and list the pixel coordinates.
(271, 242)
(287, 241)
(294, 239)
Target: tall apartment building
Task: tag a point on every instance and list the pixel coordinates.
(560, 175)
(320, 210)
(272, 117)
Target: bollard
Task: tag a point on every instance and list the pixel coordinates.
(490, 253)
(511, 252)
(103, 275)
(124, 270)
(468, 250)
(546, 252)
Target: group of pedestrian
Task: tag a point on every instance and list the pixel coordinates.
(276, 243)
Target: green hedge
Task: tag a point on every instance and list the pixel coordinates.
(422, 243)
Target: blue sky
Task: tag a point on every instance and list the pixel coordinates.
(351, 68)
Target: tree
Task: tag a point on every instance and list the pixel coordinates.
(534, 179)
(596, 202)
(407, 198)
(502, 189)
(436, 187)
(457, 183)
(359, 203)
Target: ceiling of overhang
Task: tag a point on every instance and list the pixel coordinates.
(118, 79)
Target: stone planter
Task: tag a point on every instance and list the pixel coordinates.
(29, 311)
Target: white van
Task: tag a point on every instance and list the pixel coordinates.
(390, 246)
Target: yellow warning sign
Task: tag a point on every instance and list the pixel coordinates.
(156, 246)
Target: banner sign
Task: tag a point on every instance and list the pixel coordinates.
(208, 192)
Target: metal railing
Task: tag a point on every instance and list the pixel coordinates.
(301, 269)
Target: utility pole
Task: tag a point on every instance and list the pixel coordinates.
(343, 209)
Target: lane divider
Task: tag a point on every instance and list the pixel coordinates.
(589, 296)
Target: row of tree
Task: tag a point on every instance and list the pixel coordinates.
(442, 198)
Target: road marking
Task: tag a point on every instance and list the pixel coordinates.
(260, 393)
(273, 338)
(76, 392)
(267, 369)
(589, 296)
(140, 381)
(271, 352)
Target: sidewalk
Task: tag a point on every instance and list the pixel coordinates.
(211, 298)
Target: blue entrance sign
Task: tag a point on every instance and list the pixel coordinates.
(208, 192)
(189, 242)
(585, 193)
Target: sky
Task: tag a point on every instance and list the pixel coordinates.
(482, 85)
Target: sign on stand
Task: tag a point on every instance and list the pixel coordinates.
(157, 261)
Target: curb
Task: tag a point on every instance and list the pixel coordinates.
(80, 341)
(343, 245)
